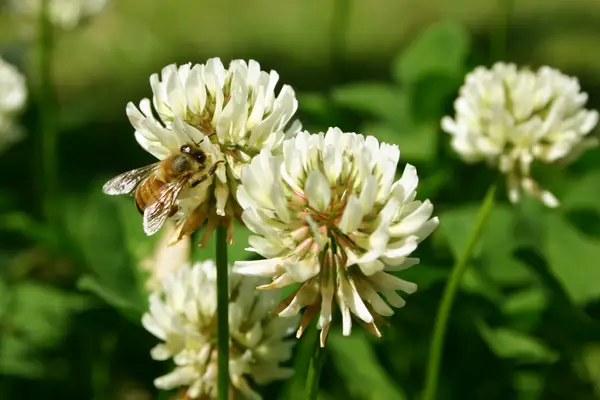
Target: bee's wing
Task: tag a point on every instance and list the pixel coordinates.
(127, 182)
(157, 213)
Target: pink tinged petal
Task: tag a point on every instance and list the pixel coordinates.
(355, 303)
(368, 194)
(352, 216)
(412, 222)
(426, 229)
(268, 267)
(399, 264)
(317, 190)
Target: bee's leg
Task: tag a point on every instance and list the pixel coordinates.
(213, 169)
(199, 180)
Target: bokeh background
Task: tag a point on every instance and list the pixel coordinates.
(526, 322)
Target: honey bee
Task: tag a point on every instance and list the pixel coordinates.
(157, 186)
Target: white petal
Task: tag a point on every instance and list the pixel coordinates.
(317, 190)
(352, 216)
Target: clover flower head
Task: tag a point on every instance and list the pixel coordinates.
(512, 117)
(328, 214)
(183, 315)
(65, 14)
(235, 111)
(13, 96)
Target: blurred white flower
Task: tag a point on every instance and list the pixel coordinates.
(512, 117)
(236, 108)
(328, 214)
(13, 95)
(166, 258)
(66, 14)
(183, 316)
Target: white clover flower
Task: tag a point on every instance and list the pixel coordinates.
(183, 316)
(13, 95)
(236, 108)
(328, 214)
(511, 118)
(66, 14)
(166, 258)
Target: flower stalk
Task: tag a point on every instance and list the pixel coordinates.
(443, 314)
(48, 141)
(222, 314)
(314, 369)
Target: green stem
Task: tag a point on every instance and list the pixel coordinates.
(48, 142)
(222, 314)
(441, 319)
(314, 369)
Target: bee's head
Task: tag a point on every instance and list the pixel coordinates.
(195, 153)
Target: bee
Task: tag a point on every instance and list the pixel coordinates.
(157, 186)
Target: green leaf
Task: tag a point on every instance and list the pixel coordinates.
(508, 343)
(358, 366)
(590, 359)
(416, 142)
(494, 252)
(130, 310)
(441, 49)
(103, 242)
(573, 259)
(424, 275)
(529, 385)
(584, 193)
(34, 317)
(532, 299)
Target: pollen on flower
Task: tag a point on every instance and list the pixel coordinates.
(183, 315)
(511, 118)
(328, 214)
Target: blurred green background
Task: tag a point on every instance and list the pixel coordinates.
(525, 325)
